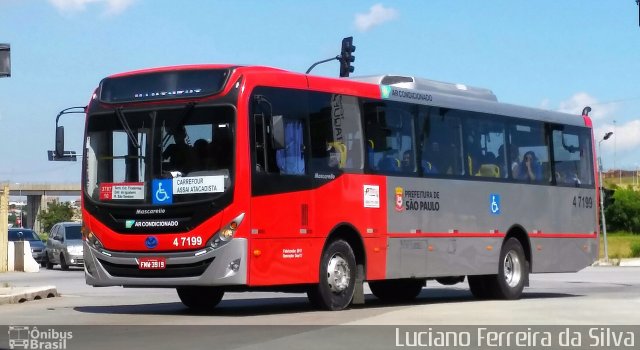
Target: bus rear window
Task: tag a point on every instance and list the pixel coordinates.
(163, 85)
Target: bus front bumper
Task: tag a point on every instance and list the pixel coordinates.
(224, 266)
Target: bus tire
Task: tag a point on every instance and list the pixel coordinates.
(513, 271)
(200, 298)
(479, 286)
(396, 290)
(337, 278)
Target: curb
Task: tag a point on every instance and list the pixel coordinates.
(632, 262)
(15, 295)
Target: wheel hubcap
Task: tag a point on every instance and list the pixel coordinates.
(512, 269)
(338, 274)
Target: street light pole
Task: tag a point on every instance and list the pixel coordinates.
(604, 222)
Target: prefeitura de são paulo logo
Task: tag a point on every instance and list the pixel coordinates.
(27, 337)
(399, 201)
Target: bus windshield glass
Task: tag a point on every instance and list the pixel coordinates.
(159, 156)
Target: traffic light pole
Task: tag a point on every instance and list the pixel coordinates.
(320, 62)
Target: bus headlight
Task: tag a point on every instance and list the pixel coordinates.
(88, 236)
(94, 241)
(226, 233)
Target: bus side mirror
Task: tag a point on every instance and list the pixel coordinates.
(59, 153)
(60, 141)
(277, 132)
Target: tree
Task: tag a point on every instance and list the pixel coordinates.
(624, 213)
(56, 212)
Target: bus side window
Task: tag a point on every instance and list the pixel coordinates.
(533, 152)
(439, 139)
(485, 140)
(572, 158)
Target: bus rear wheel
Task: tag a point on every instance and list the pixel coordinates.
(200, 298)
(397, 290)
(337, 278)
(513, 273)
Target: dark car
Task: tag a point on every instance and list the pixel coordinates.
(25, 234)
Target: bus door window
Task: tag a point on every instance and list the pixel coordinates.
(290, 159)
(292, 106)
(533, 152)
(127, 156)
(336, 137)
(572, 156)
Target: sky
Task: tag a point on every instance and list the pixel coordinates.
(549, 54)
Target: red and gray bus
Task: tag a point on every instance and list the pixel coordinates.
(214, 178)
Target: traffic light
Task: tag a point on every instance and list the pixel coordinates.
(347, 57)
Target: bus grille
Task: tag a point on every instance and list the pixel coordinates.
(171, 271)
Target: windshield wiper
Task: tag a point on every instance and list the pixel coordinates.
(127, 128)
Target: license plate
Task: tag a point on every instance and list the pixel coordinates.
(148, 263)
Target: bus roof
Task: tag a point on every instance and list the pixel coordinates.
(449, 95)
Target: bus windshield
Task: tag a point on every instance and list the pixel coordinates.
(182, 154)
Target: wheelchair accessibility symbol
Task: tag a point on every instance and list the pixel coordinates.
(494, 204)
(162, 191)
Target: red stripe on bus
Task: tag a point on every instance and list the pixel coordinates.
(562, 235)
(488, 235)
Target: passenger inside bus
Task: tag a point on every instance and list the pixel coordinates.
(407, 162)
(180, 153)
(530, 168)
(566, 174)
(430, 159)
(202, 159)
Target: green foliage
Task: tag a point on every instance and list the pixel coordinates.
(624, 213)
(56, 212)
(635, 250)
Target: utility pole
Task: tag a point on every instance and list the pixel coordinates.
(4, 228)
(5, 71)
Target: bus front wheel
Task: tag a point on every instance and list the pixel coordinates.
(200, 298)
(337, 278)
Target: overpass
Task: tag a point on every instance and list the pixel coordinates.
(37, 194)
